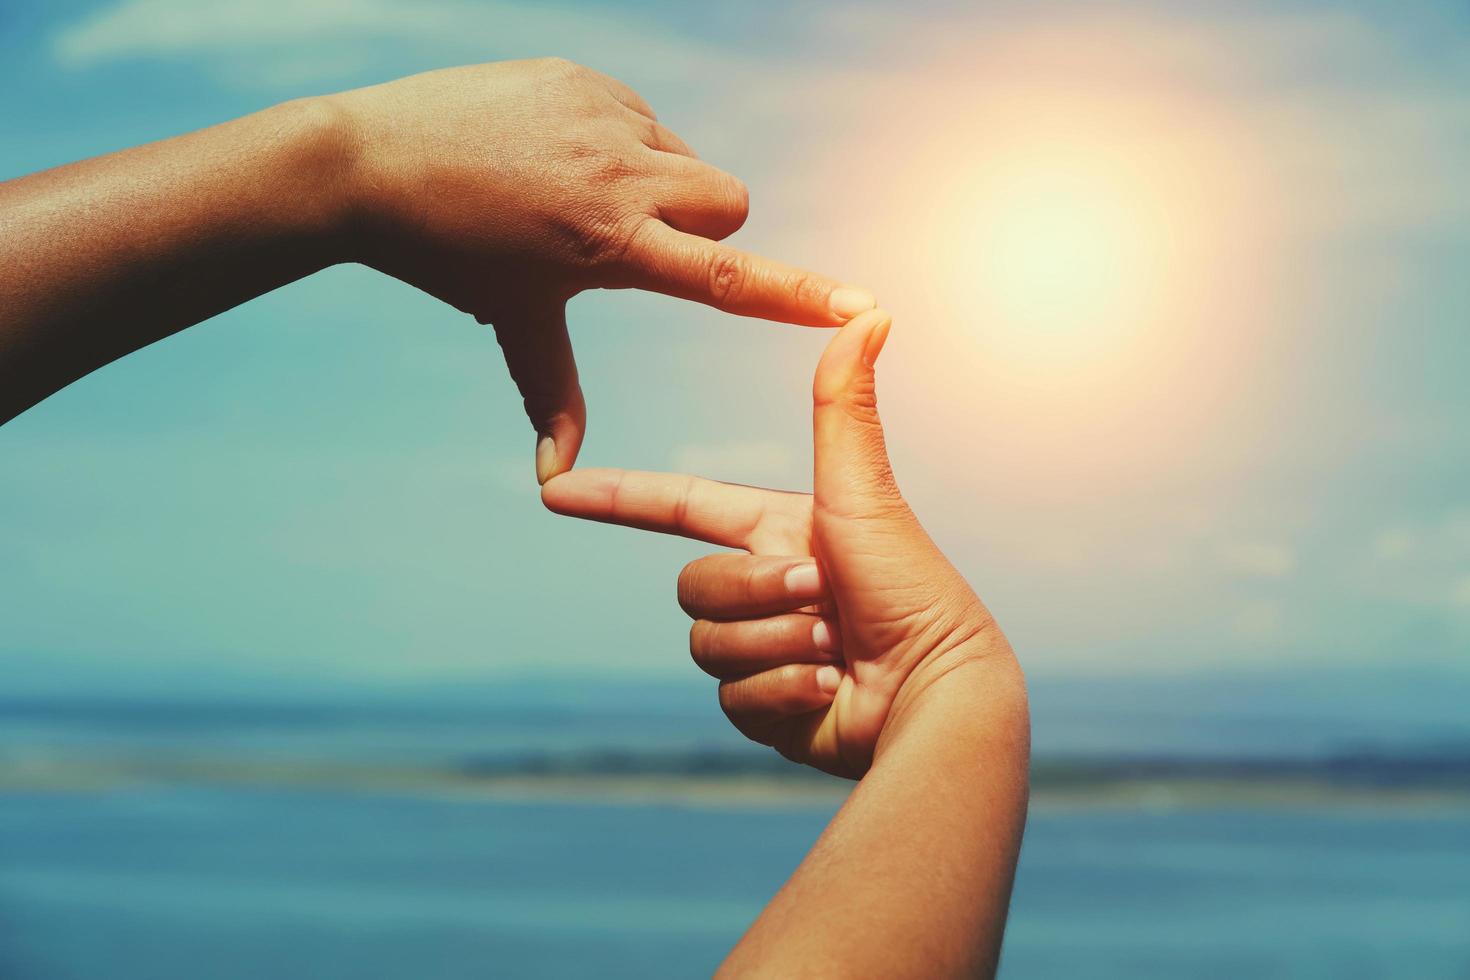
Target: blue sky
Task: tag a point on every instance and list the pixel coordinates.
(334, 481)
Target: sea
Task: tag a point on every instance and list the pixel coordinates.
(134, 845)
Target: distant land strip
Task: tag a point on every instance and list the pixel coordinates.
(719, 777)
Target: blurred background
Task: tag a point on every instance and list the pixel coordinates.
(300, 680)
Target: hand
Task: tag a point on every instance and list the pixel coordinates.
(844, 612)
(505, 189)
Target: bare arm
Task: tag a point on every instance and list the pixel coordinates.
(502, 189)
(108, 255)
(913, 876)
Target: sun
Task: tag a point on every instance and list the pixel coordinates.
(1055, 250)
(1058, 249)
(1086, 260)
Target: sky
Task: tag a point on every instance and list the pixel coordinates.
(1181, 311)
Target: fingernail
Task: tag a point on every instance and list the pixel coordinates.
(847, 302)
(828, 678)
(545, 458)
(875, 343)
(824, 637)
(804, 581)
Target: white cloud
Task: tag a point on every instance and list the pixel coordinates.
(277, 44)
(1386, 151)
(151, 28)
(768, 463)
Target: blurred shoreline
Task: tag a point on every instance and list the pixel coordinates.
(741, 780)
(653, 747)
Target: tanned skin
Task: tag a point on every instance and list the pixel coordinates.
(504, 189)
(845, 639)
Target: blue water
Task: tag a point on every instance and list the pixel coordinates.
(190, 882)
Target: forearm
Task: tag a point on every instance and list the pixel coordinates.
(913, 876)
(104, 256)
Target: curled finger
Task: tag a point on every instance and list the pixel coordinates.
(749, 586)
(757, 703)
(702, 200)
(730, 650)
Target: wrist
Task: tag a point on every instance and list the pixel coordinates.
(313, 159)
(975, 686)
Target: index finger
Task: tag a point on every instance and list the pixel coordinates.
(678, 264)
(725, 514)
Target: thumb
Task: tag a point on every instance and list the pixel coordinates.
(538, 353)
(853, 477)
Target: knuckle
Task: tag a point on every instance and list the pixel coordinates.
(632, 233)
(789, 679)
(701, 636)
(739, 197)
(786, 741)
(681, 501)
(860, 401)
(655, 134)
(619, 237)
(857, 399)
(690, 580)
(824, 390)
(772, 581)
(727, 275)
(557, 65)
(753, 577)
(732, 699)
(805, 288)
(602, 236)
(542, 405)
(729, 198)
(671, 141)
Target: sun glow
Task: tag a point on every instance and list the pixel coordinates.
(1066, 245)
(1084, 247)
(1083, 271)
(1081, 240)
(1060, 248)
